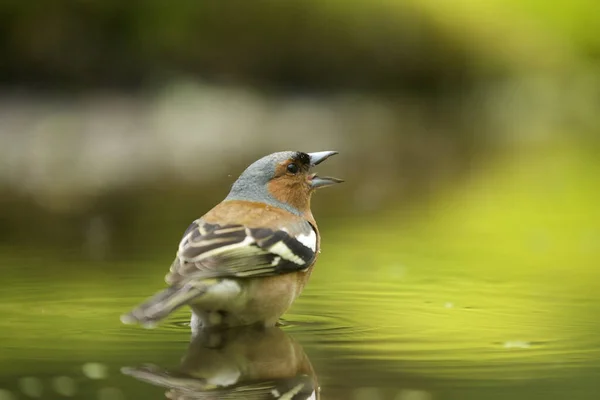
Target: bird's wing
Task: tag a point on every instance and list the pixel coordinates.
(213, 251)
(294, 388)
(186, 387)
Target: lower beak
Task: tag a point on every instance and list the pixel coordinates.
(319, 182)
(316, 159)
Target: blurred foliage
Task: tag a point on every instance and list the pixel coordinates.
(284, 44)
(525, 34)
(385, 45)
(487, 70)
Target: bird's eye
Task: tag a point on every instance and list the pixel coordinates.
(292, 168)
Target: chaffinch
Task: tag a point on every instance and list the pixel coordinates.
(247, 259)
(238, 363)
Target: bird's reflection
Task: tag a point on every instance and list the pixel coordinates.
(240, 363)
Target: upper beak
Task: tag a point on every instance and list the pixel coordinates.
(316, 159)
(320, 156)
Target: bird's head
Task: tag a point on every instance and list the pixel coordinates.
(283, 179)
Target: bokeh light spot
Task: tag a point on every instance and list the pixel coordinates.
(413, 395)
(64, 386)
(31, 386)
(95, 370)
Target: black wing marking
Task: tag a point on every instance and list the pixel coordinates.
(292, 251)
(210, 250)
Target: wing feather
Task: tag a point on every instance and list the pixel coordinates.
(211, 250)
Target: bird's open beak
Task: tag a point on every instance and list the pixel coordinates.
(316, 159)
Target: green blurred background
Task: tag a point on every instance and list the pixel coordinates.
(463, 247)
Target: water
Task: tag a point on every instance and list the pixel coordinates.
(415, 335)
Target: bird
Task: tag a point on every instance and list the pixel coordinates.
(248, 362)
(246, 260)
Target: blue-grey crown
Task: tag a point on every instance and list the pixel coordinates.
(252, 185)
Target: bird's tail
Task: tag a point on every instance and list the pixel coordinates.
(159, 306)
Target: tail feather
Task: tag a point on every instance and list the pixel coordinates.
(159, 306)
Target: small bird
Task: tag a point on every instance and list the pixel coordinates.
(247, 259)
(249, 362)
